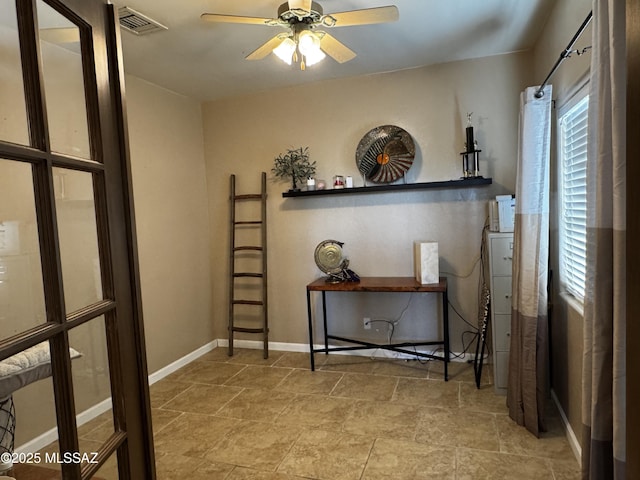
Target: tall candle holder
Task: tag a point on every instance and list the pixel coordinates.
(471, 155)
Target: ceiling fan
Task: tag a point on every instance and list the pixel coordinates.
(305, 41)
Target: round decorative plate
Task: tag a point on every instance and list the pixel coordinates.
(328, 256)
(385, 154)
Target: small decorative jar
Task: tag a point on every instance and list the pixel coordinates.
(311, 183)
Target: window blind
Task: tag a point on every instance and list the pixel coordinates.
(573, 212)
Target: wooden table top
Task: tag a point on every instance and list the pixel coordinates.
(378, 284)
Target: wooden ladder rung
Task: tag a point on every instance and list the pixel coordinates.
(248, 330)
(249, 222)
(248, 247)
(249, 196)
(248, 302)
(247, 274)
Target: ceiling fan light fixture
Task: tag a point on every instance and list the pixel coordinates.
(314, 57)
(285, 50)
(302, 43)
(309, 46)
(308, 43)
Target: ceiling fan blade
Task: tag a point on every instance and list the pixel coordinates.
(300, 5)
(60, 35)
(217, 18)
(335, 49)
(366, 16)
(266, 48)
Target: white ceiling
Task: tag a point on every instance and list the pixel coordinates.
(206, 60)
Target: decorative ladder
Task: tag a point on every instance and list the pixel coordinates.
(261, 252)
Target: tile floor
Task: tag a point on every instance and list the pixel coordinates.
(354, 418)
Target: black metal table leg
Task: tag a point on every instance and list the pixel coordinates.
(445, 324)
(324, 320)
(313, 367)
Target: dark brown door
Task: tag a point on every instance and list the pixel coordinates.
(71, 337)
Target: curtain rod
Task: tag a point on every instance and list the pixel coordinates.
(566, 53)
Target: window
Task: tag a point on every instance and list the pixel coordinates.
(573, 193)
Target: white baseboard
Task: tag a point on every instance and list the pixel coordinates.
(257, 345)
(52, 435)
(571, 436)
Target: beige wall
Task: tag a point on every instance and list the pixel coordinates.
(566, 329)
(165, 131)
(243, 136)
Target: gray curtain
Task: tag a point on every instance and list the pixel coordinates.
(604, 371)
(528, 384)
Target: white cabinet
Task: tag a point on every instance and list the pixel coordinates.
(500, 247)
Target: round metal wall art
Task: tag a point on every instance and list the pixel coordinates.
(385, 154)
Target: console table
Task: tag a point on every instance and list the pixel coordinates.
(379, 284)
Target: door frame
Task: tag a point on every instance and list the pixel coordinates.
(632, 239)
(111, 171)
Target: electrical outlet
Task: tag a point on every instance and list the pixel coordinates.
(366, 323)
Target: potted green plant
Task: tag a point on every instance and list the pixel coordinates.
(294, 165)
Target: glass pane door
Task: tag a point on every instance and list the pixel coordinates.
(13, 121)
(69, 309)
(21, 292)
(62, 74)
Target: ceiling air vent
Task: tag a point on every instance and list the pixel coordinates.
(137, 23)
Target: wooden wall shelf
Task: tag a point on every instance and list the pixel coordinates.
(465, 182)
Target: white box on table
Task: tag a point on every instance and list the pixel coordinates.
(426, 262)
